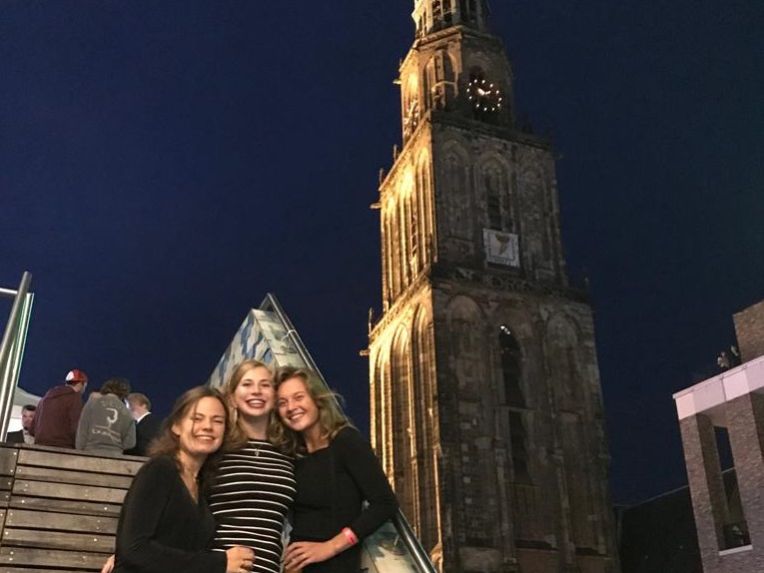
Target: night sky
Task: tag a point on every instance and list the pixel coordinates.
(165, 164)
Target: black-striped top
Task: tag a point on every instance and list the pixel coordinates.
(250, 498)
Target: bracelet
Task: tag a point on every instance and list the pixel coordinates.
(349, 535)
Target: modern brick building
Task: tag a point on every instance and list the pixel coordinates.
(486, 408)
(749, 329)
(729, 521)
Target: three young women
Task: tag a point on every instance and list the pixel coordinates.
(254, 482)
(165, 523)
(336, 471)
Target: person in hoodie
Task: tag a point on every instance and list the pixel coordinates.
(106, 425)
(58, 413)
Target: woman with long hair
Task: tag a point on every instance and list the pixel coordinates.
(165, 524)
(336, 471)
(254, 482)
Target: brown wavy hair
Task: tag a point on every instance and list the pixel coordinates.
(167, 443)
(237, 437)
(118, 386)
(331, 419)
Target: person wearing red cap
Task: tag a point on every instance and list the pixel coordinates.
(58, 413)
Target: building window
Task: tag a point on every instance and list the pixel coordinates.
(511, 368)
(414, 255)
(517, 439)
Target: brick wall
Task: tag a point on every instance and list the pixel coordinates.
(745, 416)
(749, 328)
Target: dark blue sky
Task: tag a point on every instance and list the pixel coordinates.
(165, 164)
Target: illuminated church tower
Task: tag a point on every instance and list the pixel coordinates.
(486, 403)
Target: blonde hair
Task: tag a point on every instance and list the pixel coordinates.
(331, 419)
(237, 437)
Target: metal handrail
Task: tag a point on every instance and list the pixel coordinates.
(270, 302)
(12, 347)
(423, 562)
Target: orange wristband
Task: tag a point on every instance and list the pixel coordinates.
(349, 535)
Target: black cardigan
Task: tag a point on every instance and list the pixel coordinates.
(332, 484)
(161, 528)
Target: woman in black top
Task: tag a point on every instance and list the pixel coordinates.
(165, 524)
(336, 471)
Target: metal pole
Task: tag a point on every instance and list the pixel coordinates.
(6, 392)
(15, 358)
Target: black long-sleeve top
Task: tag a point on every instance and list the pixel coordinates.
(332, 484)
(161, 528)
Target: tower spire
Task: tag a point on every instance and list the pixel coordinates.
(434, 15)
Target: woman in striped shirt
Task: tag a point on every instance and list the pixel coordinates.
(254, 486)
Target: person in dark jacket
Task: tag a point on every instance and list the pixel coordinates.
(24, 435)
(147, 425)
(58, 413)
(106, 425)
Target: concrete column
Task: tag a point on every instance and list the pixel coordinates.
(709, 502)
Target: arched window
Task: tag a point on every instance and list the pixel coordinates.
(377, 415)
(403, 243)
(423, 355)
(404, 436)
(415, 256)
(512, 371)
(517, 439)
(439, 81)
(424, 209)
(390, 259)
(511, 368)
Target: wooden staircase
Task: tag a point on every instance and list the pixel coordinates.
(59, 508)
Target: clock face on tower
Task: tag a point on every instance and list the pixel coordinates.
(484, 96)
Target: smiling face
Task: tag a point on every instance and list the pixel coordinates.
(200, 430)
(255, 395)
(297, 409)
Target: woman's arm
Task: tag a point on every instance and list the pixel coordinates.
(142, 518)
(364, 467)
(359, 460)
